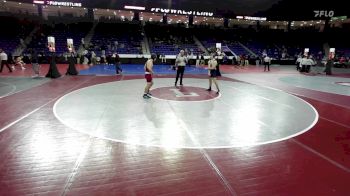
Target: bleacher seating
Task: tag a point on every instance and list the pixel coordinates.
(14, 33)
(237, 48)
(168, 40)
(127, 37)
(123, 38)
(61, 32)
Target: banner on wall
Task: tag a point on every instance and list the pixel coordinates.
(70, 45)
(58, 3)
(51, 44)
(251, 18)
(182, 12)
(331, 53)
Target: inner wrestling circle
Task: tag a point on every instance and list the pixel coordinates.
(244, 115)
(184, 93)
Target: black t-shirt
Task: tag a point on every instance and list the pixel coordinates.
(117, 59)
(35, 58)
(111, 59)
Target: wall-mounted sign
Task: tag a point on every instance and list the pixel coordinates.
(130, 7)
(331, 53)
(183, 12)
(252, 18)
(38, 2)
(339, 18)
(70, 45)
(51, 44)
(58, 3)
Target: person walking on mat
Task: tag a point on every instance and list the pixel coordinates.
(149, 76)
(212, 72)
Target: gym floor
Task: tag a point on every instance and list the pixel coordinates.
(266, 133)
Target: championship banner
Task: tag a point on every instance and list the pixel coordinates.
(51, 44)
(331, 53)
(70, 45)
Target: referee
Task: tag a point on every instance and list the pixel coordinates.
(267, 63)
(180, 64)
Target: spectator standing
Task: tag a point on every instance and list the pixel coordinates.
(118, 68)
(4, 61)
(35, 62)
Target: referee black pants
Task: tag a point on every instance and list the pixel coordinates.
(180, 73)
(266, 65)
(4, 62)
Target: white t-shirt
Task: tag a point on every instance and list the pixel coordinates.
(306, 61)
(181, 60)
(267, 59)
(299, 60)
(310, 62)
(3, 56)
(303, 61)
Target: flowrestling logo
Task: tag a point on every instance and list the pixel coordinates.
(324, 13)
(63, 3)
(58, 3)
(183, 12)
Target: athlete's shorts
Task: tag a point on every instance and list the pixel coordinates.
(148, 77)
(213, 73)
